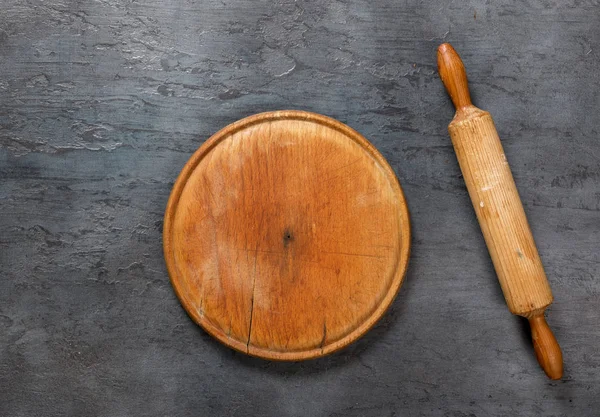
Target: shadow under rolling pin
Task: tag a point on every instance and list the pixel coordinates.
(499, 211)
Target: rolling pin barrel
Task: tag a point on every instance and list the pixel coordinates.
(499, 211)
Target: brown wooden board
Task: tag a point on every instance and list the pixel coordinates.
(286, 235)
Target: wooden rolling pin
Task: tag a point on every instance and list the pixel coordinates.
(499, 211)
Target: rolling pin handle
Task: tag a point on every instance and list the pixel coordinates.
(453, 75)
(547, 350)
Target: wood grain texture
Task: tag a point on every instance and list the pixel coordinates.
(103, 102)
(500, 212)
(547, 350)
(287, 235)
(453, 75)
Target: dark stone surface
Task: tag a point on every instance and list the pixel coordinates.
(103, 101)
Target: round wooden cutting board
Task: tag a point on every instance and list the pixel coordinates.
(286, 235)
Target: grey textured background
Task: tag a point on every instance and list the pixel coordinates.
(103, 101)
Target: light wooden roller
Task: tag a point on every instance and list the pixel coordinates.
(499, 211)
